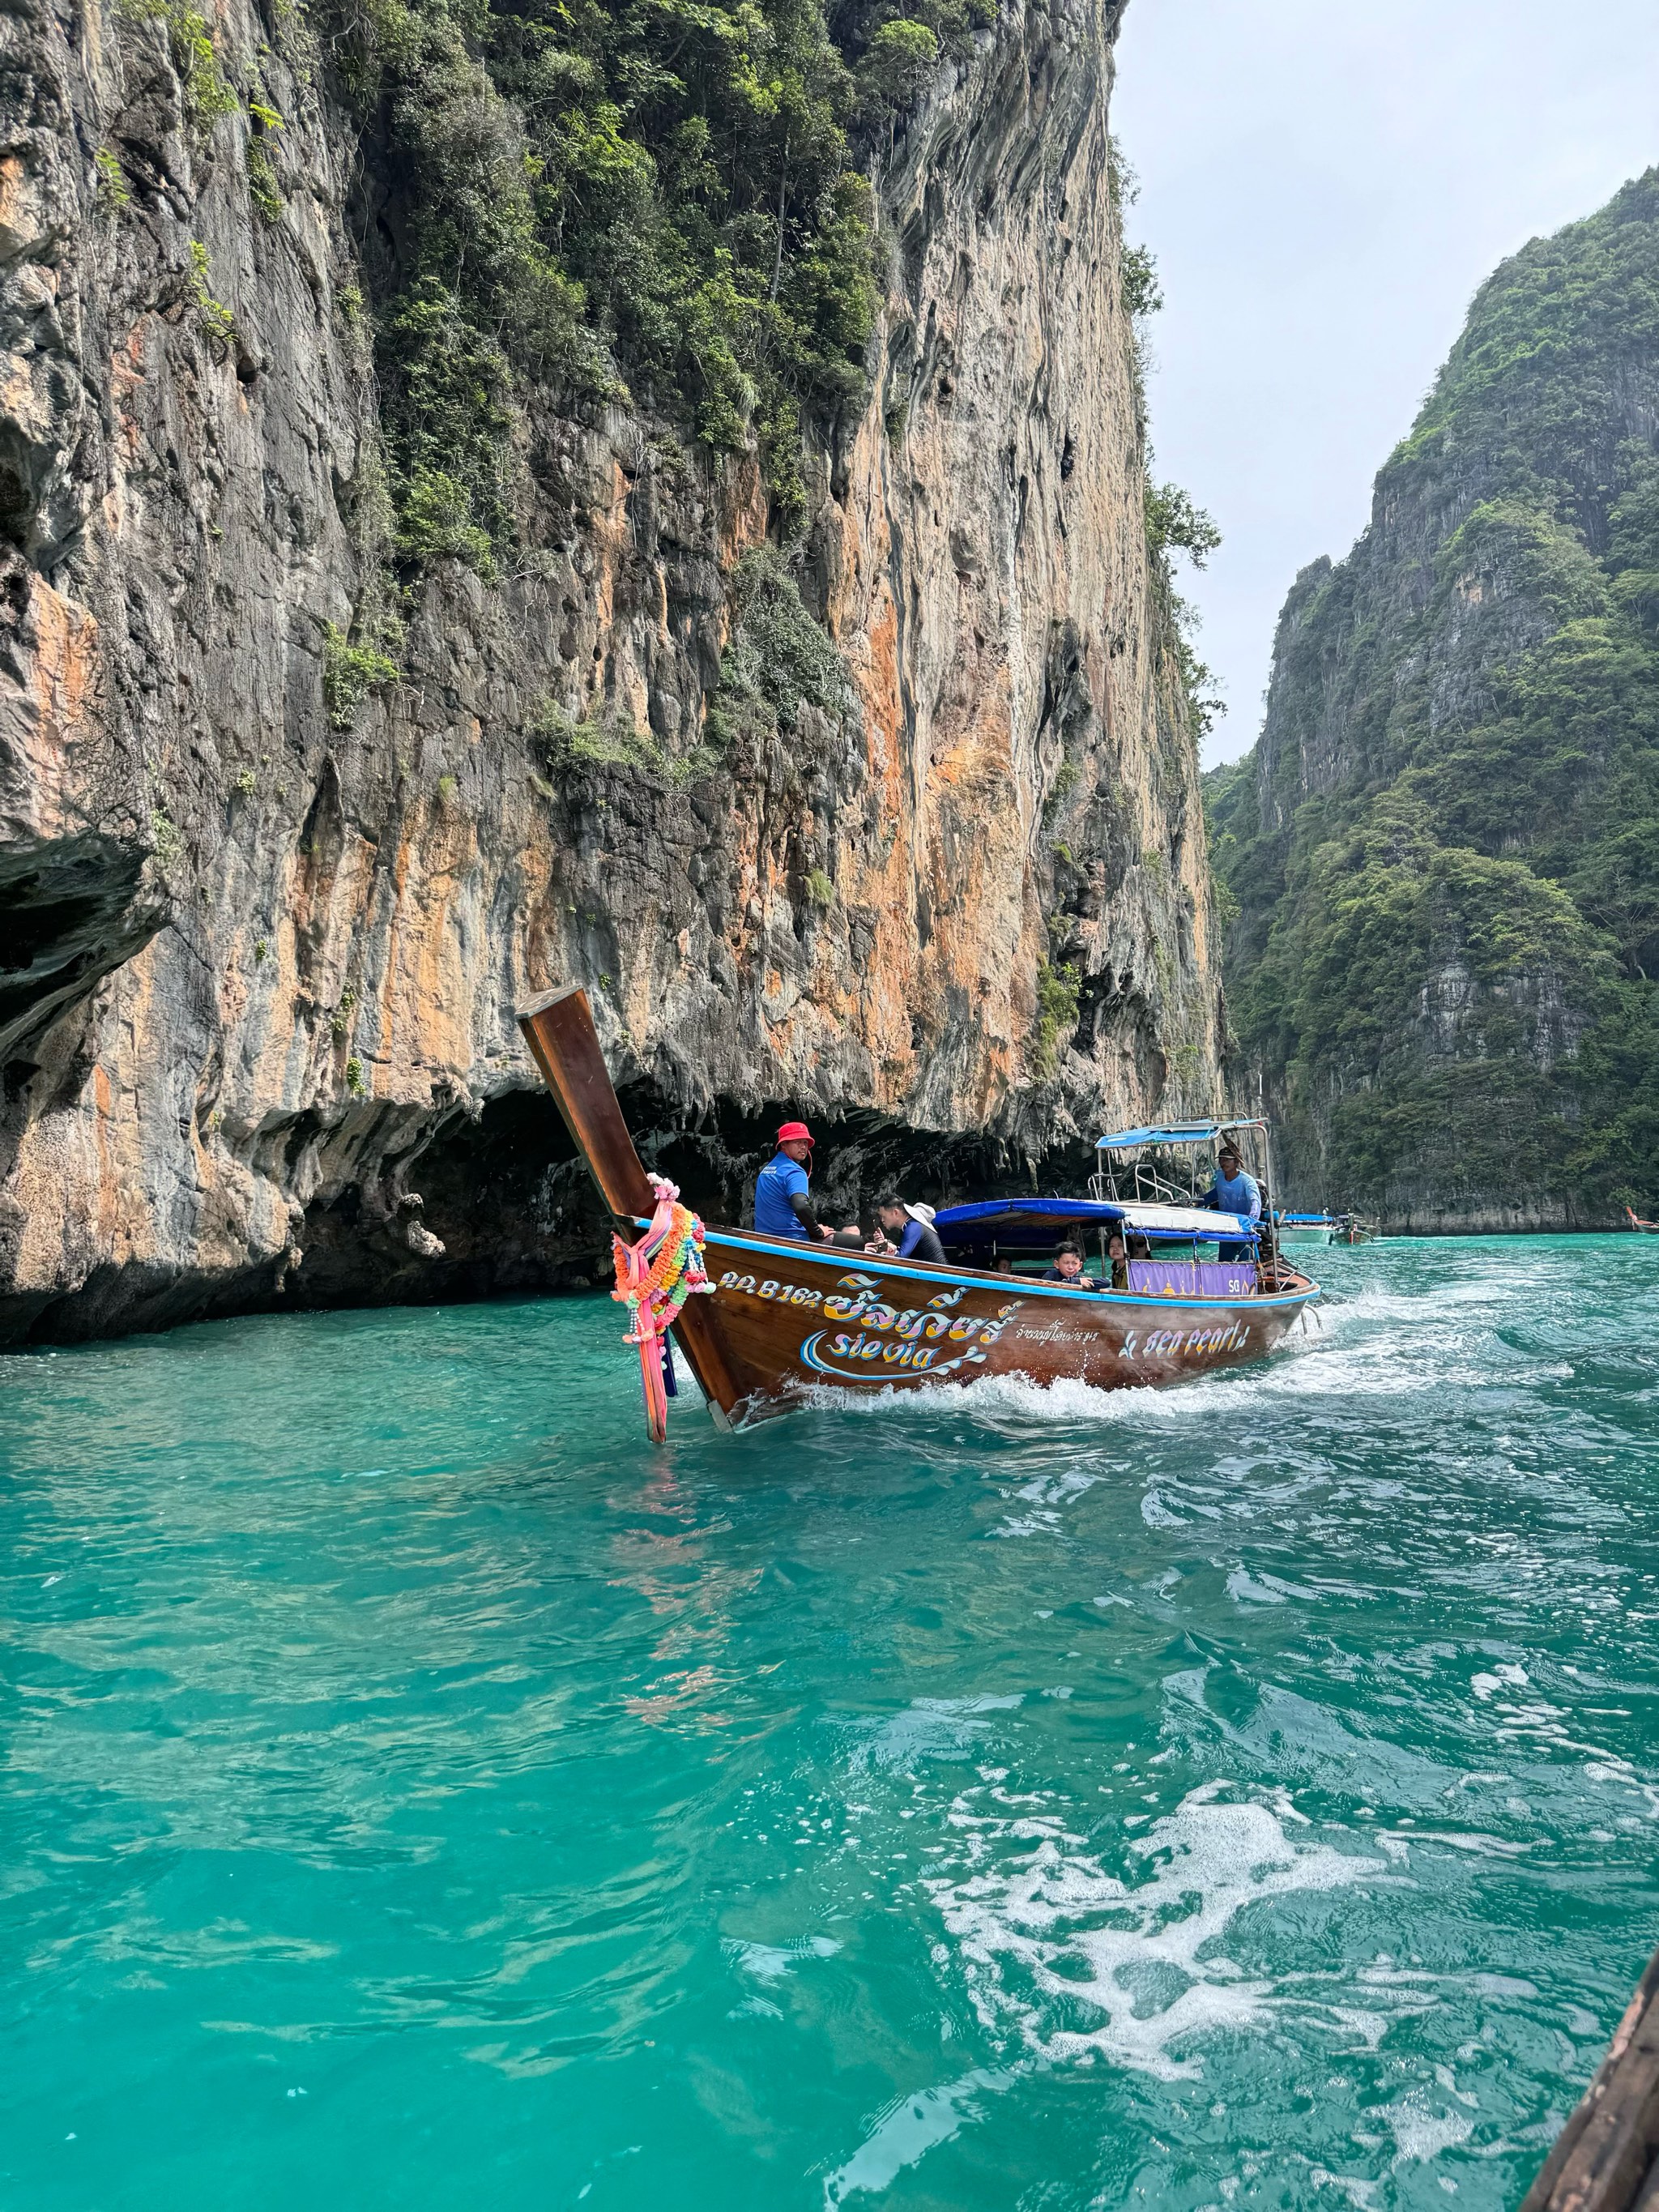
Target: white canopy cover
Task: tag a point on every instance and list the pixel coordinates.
(1186, 1220)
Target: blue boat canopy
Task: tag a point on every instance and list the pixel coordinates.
(1172, 1133)
(966, 1225)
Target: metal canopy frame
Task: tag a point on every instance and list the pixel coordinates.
(1150, 1182)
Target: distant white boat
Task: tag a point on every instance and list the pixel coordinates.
(1307, 1228)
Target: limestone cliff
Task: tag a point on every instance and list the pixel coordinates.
(1444, 850)
(899, 826)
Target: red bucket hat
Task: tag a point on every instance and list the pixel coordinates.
(795, 1132)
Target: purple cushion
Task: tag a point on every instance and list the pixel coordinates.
(1209, 1279)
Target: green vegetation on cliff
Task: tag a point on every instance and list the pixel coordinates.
(1444, 851)
(657, 201)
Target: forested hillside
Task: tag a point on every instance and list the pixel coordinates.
(1440, 865)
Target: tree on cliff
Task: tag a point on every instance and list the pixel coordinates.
(660, 203)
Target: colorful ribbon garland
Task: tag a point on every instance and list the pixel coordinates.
(654, 1277)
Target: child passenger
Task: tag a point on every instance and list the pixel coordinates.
(1068, 1269)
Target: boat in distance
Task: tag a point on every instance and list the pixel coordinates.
(784, 1318)
(1308, 1228)
(1324, 1229)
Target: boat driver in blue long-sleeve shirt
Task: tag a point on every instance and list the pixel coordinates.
(782, 1208)
(1234, 1192)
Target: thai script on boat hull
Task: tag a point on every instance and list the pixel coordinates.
(887, 1342)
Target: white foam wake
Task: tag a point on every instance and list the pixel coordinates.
(1064, 1961)
(1054, 1931)
(1369, 1343)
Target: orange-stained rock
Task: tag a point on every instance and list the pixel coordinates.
(272, 963)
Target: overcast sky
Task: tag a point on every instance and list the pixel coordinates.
(1324, 182)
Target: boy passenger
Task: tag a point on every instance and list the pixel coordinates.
(1068, 1269)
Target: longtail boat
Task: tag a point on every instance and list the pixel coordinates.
(1324, 1229)
(1307, 1228)
(1607, 2157)
(778, 1318)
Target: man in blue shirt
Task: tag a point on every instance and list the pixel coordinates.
(1234, 1192)
(782, 1208)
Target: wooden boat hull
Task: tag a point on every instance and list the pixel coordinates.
(795, 1319)
(1607, 2157)
(787, 1318)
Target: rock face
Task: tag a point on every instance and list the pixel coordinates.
(1445, 849)
(265, 914)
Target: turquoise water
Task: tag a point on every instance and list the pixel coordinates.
(419, 1793)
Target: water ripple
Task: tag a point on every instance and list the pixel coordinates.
(1243, 1793)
